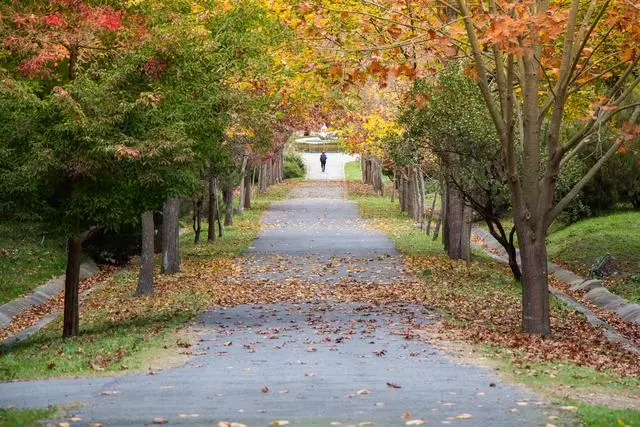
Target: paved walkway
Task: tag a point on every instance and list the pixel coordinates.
(317, 363)
(334, 169)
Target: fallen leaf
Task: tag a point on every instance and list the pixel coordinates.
(110, 392)
(415, 422)
(406, 415)
(311, 349)
(363, 392)
(160, 420)
(64, 424)
(463, 416)
(265, 389)
(227, 343)
(96, 367)
(569, 408)
(279, 422)
(392, 385)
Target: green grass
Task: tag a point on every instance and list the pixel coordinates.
(616, 234)
(601, 416)
(149, 329)
(353, 172)
(579, 244)
(408, 239)
(12, 417)
(29, 256)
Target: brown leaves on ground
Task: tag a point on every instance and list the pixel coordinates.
(485, 308)
(34, 313)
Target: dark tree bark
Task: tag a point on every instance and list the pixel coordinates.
(197, 219)
(171, 236)
(145, 279)
(247, 192)
(211, 217)
(228, 200)
(71, 324)
(243, 189)
(71, 321)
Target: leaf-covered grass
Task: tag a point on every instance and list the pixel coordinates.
(121, 331)
(481, 304)
(29, 256)
(13, 417)
(601, 416)
(615, 234)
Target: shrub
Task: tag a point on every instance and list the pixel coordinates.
(294, 166)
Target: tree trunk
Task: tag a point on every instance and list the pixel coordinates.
(247, 192)
(457, 228)
(410, 202)
(227, 194)
(535, 289)
(440, 218)
(145, 279)
(171, 236)
(197, 220)
(216, 205)
(71, 324)
(242, 186)
(211, 217)
(431, 212)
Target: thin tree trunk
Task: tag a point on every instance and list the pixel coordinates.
(216, 205)
(440, 218)
(227, 194)
(242, 186)
(171, 236)
(247, 192)
(197, 220)
(211, 217)
(431, 212)
(71, 324)
(71, 320)
(145, 279)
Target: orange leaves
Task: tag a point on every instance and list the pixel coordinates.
(123, 152)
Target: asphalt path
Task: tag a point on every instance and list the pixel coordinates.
(316, 363)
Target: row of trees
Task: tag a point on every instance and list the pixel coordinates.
(111, 112)
(548, 78)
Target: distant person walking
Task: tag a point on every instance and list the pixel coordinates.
(323, 161)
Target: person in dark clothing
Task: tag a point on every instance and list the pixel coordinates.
(323, 161)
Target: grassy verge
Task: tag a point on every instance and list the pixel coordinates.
(481, 306)
(12, 417)
(121, 331)
(29, 256)
(579, 244)
(601, 416)
(353, 172)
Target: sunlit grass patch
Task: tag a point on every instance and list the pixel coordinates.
(14, 417)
